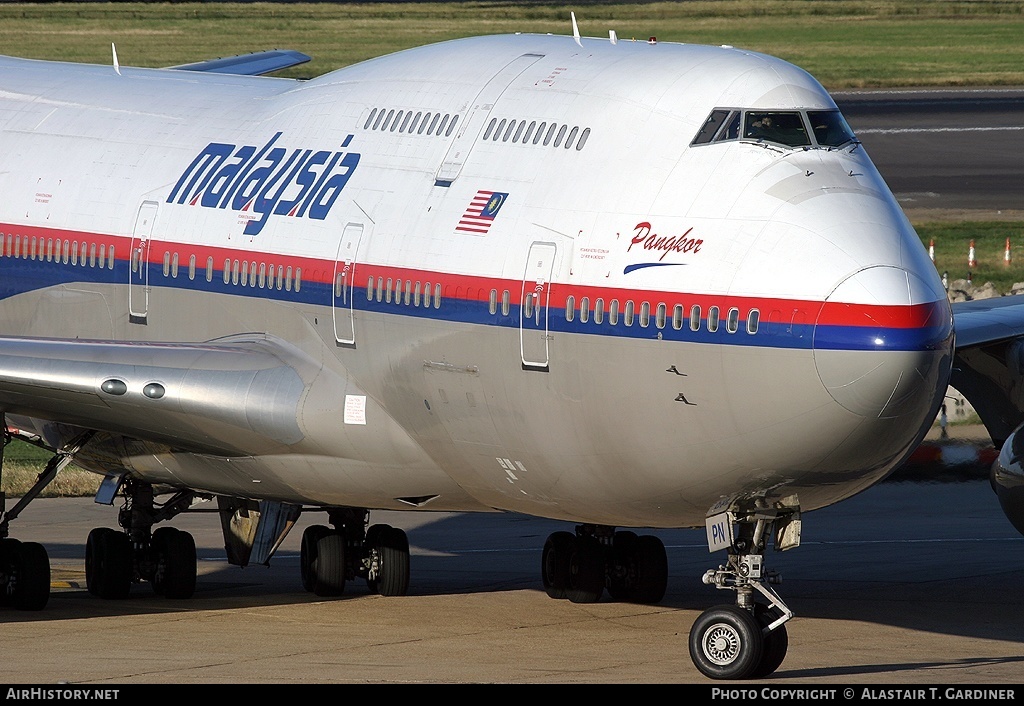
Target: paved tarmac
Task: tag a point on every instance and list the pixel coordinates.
(906, 583)
(945, 149)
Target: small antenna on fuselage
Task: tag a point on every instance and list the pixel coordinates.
(117, 66)
(575, 29)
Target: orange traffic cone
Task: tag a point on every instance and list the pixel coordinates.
(1006, 256)
(972, 261)
(931, 250)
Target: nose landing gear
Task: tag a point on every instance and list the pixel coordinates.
(747, 640)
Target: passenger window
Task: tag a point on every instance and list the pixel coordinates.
(732, 321)
(583, 139)
(209, 268)
(584, 310)
(661, 316)
(416, 295)
(572, 136)
(752, 320)
(598, 311)
(506, 302)
(437, 287)
(695, 317)
(627, 315)
(492, 302)
(645, 314)
(570, 308)
(613, 312)
(712, 319)
(677, 317)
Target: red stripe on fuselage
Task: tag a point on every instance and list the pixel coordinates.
(478, 288)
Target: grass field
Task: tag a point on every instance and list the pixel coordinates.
(23, 463)
(952, 245)
(845, 44)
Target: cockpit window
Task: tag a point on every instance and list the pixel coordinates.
(720, 125)
(830, 128)
(784, 128)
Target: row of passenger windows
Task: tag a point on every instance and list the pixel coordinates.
(408, 122)
(263, 275)
(245, 273)
(55, 250)
(521, 131)
(679, 315)
(397, 290)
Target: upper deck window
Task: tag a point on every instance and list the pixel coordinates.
(828, 128)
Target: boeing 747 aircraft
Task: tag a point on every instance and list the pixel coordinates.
(627, 285)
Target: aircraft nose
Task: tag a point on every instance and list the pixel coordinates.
(883, 343)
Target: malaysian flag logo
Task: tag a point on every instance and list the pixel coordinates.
(481, 212)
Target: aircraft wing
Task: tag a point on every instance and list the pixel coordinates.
(221, 397)
(987, 321)
(255, 64)
(988, 368)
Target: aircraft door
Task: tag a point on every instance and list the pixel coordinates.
(479, 111)
(344, 274)
(138, 271)
(533, 311)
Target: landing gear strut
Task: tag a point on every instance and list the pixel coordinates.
(331, 556)
(583, 565)
(166, 557)
(747, 640)
(25, 566)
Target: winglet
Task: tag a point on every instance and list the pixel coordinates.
(575, 29)
(117, 66)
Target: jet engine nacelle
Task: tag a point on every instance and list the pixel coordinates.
(1007, 478)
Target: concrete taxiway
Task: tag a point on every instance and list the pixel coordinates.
(908, 582)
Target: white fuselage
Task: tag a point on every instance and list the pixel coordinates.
(520, 284)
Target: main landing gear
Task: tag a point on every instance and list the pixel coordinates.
(25, 566)
(583, 565)
(165, 557)
(747, 640)
(331, 556)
